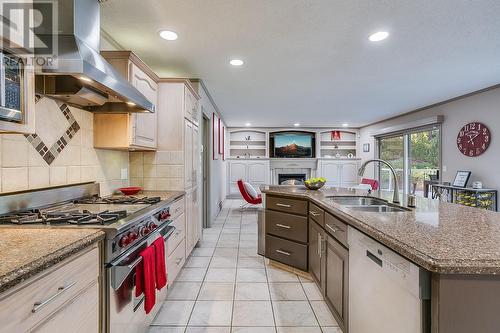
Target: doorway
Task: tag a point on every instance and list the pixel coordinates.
(206, 170)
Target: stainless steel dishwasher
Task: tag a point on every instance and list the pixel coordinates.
(387, 293)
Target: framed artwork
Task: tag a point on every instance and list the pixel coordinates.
(221, 135)
(215, 137)
(223, 150)
(461, 178)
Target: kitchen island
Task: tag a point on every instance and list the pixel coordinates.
(455, 248)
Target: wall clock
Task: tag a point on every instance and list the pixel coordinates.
(473, 139)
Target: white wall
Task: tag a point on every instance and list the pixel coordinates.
(218, 173)
(483, 107)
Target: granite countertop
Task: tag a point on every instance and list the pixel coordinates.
(164, 195)
(440, 237)
(24, 254)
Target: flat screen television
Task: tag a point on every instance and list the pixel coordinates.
(292, 144)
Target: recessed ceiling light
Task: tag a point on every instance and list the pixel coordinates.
(248, 124)
(236, 62)
(168, 35)
(378, 36)
(86, 79)
(131, 103)
(345, 125)
(296, 124)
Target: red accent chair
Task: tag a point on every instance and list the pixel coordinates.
(247, 197)
(373, 182)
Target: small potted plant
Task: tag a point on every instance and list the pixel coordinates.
(315, 183)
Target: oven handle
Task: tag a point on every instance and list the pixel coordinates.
(120, 272)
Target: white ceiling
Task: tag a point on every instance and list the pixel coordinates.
(309, 61)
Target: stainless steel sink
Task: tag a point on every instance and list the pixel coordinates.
(378, 208)
(367, 204)
(358, 201)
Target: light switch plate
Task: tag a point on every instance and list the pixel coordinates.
(124, 173)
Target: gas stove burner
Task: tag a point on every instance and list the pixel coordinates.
(122, 200)
(97, 218)
(63, 217)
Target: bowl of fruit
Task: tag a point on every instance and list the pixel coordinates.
(315, 183)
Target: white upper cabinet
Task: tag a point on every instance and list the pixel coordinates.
(129, 131)
(144, 124)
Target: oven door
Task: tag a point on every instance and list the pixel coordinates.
(125, 310)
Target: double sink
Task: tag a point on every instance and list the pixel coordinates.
(367, 204)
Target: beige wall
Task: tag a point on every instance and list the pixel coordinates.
(483, 107)
(22, 168)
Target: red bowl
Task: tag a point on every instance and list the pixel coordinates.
(130, 190)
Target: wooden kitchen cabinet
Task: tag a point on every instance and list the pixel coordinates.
(317, 253)
(336, 280)
(340, 173)
(65, 295)
(129, 131)
(254, 171)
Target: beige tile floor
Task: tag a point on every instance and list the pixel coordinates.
(226, 287)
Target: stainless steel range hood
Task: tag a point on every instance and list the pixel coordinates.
(79, 75)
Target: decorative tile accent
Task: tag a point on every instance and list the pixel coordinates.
(50, 154)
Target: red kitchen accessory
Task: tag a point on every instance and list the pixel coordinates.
(145, 278)
(335, 135)
(130, 190)
(160, 266)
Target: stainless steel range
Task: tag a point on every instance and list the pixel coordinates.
(131, 224)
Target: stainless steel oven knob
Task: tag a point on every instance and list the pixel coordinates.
(143, 231)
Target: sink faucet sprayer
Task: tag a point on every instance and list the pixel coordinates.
(361, 171)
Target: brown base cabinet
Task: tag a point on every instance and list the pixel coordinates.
(336, 280)
(316, 253)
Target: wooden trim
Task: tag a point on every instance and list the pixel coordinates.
(130, 55)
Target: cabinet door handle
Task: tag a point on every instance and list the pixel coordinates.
(313, 213)
(283, 226)
(283, 205)
(331, 228)
(284, 252)
(39, 305)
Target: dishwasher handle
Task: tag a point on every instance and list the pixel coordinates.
(374, 258)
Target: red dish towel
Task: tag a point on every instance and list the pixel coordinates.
(160, 266)
(145, 280)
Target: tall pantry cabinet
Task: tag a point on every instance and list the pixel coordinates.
(178, 120)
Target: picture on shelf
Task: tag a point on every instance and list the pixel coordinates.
(461, 178)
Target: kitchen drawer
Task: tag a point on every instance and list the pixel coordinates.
(336, 228)
(179, 234)
(285, 225)
(177, 208)
(55, 287)
(286, 252)
(175, 261)
(287, 205)
(317, 214)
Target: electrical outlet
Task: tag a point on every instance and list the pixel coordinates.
(124, 173)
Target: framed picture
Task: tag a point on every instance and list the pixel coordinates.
(223, 150)
(366, 148)
(220, 137)
(461, 178)
(215, 137)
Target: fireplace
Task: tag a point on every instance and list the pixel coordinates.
(298, 177)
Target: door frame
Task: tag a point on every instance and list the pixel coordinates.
(205, 128)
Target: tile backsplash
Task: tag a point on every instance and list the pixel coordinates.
(160, 170)
(68, 132)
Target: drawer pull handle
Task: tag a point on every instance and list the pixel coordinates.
(284, 252)
(331, 228)
(39, 305)
(283, 205)
(313, 213)
(283, 226)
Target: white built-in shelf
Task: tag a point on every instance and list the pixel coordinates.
(347, 144)
(247, 143)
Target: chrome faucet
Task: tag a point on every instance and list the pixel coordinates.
(361, 171)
